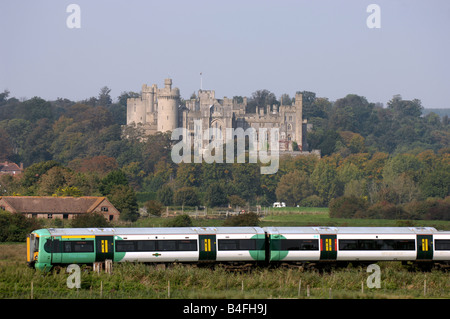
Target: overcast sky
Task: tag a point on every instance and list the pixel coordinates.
(239, 47)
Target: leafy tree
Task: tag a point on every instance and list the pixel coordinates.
(436, 183)
(294, 187)
(325, 181)
(247, 219)
(236, 200)
(94, 219)
(104, 98)
(347, 207)
(179, 221)
(186, 196)
(154, 207)
(53, 180)
(5, 146)
(114, 178)
(33, 173)
(216, 196)
(16, 227)
(165, 195)
(261, 98)
(124, 199)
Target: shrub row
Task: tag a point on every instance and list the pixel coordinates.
(356, 207)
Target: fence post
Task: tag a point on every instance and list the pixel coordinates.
(424, 287)
(108, 266)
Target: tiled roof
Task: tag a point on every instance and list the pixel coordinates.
(50, 204)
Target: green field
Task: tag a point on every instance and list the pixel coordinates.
(137, 281)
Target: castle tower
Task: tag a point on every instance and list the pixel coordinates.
(168, 100)
(299, 120)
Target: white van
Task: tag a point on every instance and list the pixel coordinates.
(279, 204)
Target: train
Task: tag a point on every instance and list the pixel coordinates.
(51, 247)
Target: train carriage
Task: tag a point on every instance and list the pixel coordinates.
(293, 244)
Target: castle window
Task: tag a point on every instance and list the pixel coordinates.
(290, 118)
(289, 127)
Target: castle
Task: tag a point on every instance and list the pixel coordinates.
(162, 110)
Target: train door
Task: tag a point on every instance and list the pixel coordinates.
(56, 249)
(424, 247)
(104, 248)
(207, 244)
(328, 247)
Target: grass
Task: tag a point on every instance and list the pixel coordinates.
(130, 280)
(140, 281)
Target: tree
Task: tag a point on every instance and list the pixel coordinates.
(294, 187)
(179, 221)
(16, 227)
(165, 195)
(247, 219)
(186, 196)
(54, 179)
(104, 98)
(88, 220)
(154, 207)
(261, 98)
(405, 108)
(6, 149)
(436, 183)
(215, 195)
(114, 178)
(33, 173)
(124, 199)
(325, 181)
(347, 207)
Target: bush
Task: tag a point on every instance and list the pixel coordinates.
(384, 210)
(440, 211)
(154, 207)
(180, 221)
(347, 206)
(186, 196)
(246, 219)
(16, 227)
(312, 201)
(95, 219)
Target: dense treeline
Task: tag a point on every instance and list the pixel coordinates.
(372, 155)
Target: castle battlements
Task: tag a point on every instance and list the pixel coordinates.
(162, 110)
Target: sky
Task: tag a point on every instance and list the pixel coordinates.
(239, 47)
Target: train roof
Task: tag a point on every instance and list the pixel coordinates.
(238, 230)
(353, 230)
(154, 230)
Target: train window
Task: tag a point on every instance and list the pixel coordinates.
(237, 244)
(187, 245)
(299, 244)
(52, 246)
(167, 245)
(442, 244)
(155, 245)
(125, 245)
(78, 247)
(376, 244)
(146, 245)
